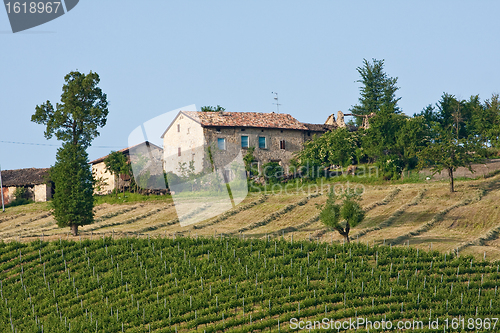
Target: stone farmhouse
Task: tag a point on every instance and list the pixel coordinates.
(145, 156)
(36, 182)
(275, 136)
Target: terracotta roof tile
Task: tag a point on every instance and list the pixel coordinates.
(246, 119)
(125, 151)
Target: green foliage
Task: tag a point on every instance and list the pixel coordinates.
(250, 161)
(128, 197)
(83, 109)
(390, 166)
(342, 216)
(272, 171)
(446, 152)
(142, 180)
(217, 108)
(117, 164)
(378, 90)
(21, 193)
(21, 197)
(486, 121)
(187, 170)
(72, 177)
(338, 147)
(188, 284)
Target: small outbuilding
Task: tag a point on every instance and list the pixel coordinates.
(147, 154)
(36, 182)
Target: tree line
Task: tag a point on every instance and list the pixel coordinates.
(451, 133)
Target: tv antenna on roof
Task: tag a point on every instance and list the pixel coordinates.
(277, 104)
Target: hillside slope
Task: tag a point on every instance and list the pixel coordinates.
(425, 214)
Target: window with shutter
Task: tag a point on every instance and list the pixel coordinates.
(221, 143)
(244, 141)
(262, 142)
(282, 144)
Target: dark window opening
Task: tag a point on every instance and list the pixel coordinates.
(282, 144)
(179, 151)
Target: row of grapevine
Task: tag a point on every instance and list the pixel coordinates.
(229, 284)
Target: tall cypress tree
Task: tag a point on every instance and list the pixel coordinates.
(72, 176)
(378, 90)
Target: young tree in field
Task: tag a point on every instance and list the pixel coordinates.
(117, 164)
(342, 216)
(75, 121)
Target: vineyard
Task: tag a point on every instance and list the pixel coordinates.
(420, 253)
(234, 285)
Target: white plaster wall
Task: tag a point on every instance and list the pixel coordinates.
(42, 193)
(191, 141)
(12, 190)
(99, 169)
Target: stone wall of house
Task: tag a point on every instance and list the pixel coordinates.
(10, 191)
(99, 171)
(186, 134)
(42, 192)
(293, 141)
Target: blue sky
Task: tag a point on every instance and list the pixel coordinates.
(156, 56)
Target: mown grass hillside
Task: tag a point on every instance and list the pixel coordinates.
(424, 214)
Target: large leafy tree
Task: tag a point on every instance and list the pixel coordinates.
(412, 137)
(117, 164)
(83, 109)
(486, 120)
(342, 216)
(75, 121)
(381, 137)
(378, 90)
(337, 147)
(447, 152)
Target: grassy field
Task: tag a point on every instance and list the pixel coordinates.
(424, 214)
